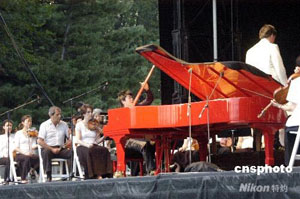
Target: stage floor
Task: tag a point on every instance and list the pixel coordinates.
(228, 184)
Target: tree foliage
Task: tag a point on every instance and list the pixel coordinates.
(72, 47)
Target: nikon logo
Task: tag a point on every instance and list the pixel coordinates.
(250, 187)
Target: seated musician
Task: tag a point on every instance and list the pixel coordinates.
(94, 158)
(25, 143)
(51, 138)
(180, 159)
(226, 145)
(140, 146)
(244, 144)
(99, 117)
(6, 130)
(293, 106)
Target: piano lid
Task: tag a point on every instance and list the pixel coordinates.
(231, 79)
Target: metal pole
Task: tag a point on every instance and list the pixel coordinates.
(215, 37)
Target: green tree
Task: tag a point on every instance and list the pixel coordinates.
(72, 47)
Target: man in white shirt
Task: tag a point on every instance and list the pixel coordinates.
(265, 55)
(51, 137)
(293, 106)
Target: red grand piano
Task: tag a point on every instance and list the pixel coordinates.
(237, 93)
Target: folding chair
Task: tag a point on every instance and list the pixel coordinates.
(60, 161)
(76, 163)
(294, 155)
(12, 170)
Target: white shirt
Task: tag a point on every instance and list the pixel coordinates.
(247, 142)
(53, 135)
(3, 145)
(25, 143)
(87, 135)
(294, 96)
(266, 57)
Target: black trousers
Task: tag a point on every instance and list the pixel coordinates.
(5, 161)
(26, 162)
(95, 161)
(148, 154)
(48, 156)
(289, 140)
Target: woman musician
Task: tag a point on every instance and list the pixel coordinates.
(94, 158)
(293, 106)
(25, 143)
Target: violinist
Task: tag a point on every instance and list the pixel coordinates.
(26, 145)
(6, 130)
(98, 121)
(95, 159)
(293, 106)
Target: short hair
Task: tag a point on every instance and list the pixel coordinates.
(266, 31)
(52, 109)
(84, 107)
(122, 95)
(298, 61)
(97, 111)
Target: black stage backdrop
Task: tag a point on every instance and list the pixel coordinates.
(186, 31)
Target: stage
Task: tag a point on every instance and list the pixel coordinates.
(227, 184)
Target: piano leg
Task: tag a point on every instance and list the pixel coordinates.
(166, 153)
(121, 164)
(203, 151)
(162, 147)
(158, 157)
(269, 143)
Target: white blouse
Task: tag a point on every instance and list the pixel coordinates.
(294, 96)
(87, 135)
(3, 145)
(25, 143)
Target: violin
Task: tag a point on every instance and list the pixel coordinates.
(94, 125)
(280, 94)
(32, 132)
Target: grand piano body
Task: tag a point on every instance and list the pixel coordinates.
(233, 92)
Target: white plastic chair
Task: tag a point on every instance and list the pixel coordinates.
(76, 163)
(294, 155)
(12, 170)
(42, 177)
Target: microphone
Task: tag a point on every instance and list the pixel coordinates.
(212, 92)
(222, 74)
(105, 84)
(39, 100)
(203, 109)
(189, 95)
